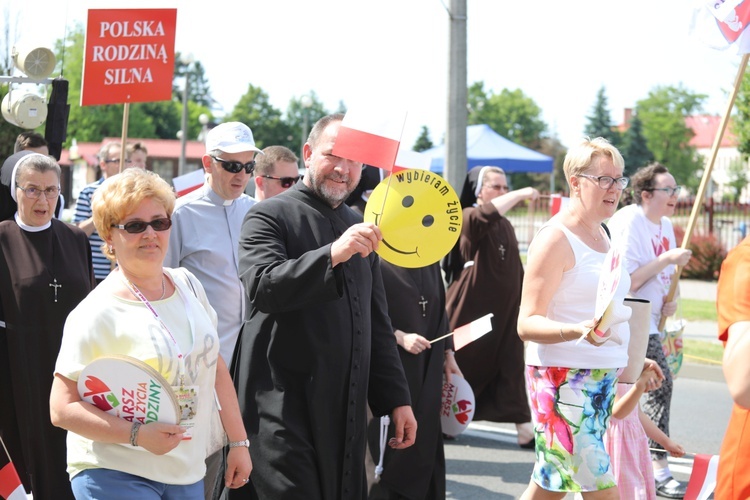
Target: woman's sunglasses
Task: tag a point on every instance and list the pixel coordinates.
(138, 226)
(236, 166)
(286, 182)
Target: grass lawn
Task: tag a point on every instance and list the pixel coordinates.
(699, 351)
(698, 310)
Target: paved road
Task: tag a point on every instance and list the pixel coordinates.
(485, 462)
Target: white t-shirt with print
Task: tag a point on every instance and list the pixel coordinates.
(103, 324)
(641, 242)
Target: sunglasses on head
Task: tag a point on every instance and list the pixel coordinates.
(236, 166)
(138, 226)
(286, 182)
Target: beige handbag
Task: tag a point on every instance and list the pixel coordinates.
(639, 329)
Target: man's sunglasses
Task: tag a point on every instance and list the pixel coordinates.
(138, 226)
(236, 166)
(286, 182)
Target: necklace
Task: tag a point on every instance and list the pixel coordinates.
(163, 287)
(591, 231)
(422, 302)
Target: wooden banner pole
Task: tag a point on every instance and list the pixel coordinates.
(705, 180)
(123, 144)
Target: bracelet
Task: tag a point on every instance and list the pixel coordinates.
(134, 433)
(245, 443)
(561, 335)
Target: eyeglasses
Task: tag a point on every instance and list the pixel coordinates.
(286, 182)
(605, 181)
(117, 160)
(34, 193)
(670, 191)
(236, 166)
(138, 226)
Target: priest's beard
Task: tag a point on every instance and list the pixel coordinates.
(333, 196)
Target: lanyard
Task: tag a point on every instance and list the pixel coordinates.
(180, 357)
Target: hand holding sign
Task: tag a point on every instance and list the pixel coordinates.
(609, 309)
(420, 219)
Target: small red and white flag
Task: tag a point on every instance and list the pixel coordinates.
(557, 202)
(186, 183)
(464, 335)
(370, 136)
(722, 25)
(10, 484)
(703, 478)
(406, 158)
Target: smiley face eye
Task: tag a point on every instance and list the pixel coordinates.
(407, 201)
(428, 220)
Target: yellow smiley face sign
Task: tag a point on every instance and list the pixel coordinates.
(420, 220)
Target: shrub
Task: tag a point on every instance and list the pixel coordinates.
(708, 254)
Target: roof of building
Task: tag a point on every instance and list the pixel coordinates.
(705, 128)
(157, 148)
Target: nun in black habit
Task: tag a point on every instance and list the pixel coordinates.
(45, 271)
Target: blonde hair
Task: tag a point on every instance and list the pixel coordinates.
(120, 195)
(584, 155)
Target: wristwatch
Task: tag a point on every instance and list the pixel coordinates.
(237, 444)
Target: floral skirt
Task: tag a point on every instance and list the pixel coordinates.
(571, 409)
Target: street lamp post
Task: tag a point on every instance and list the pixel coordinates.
(305, 103)
(187, 60)
(203, 120)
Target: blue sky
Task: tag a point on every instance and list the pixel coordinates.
(395, 51)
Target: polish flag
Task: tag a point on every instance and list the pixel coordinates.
(10, 484)
(186, 183)
(467, 334)
(406, 158)
(703, 478)
(370, 137)
(557, 202)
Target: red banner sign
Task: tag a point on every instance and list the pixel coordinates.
(129, 56)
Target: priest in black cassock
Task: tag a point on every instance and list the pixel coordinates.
(317, 344)
(45, 271)
(416, 305)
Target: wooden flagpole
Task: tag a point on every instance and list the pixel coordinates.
(125, 120)
(705, 180)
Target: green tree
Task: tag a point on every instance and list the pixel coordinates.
(200, 92)
(600, 122)
(741, 122)
(552, 146)
(255, 110)
(634, 148)
(423, 142)
(738, 177)
(510, 113)
(663, 114)
(301, 114)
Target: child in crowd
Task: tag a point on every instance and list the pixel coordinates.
(629, 428)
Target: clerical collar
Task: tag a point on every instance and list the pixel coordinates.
(31, 229)
(218, 200)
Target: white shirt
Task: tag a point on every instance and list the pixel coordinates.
(205, 240)
(127, 327)
(641, 241)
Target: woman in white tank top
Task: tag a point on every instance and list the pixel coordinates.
(572, 385)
